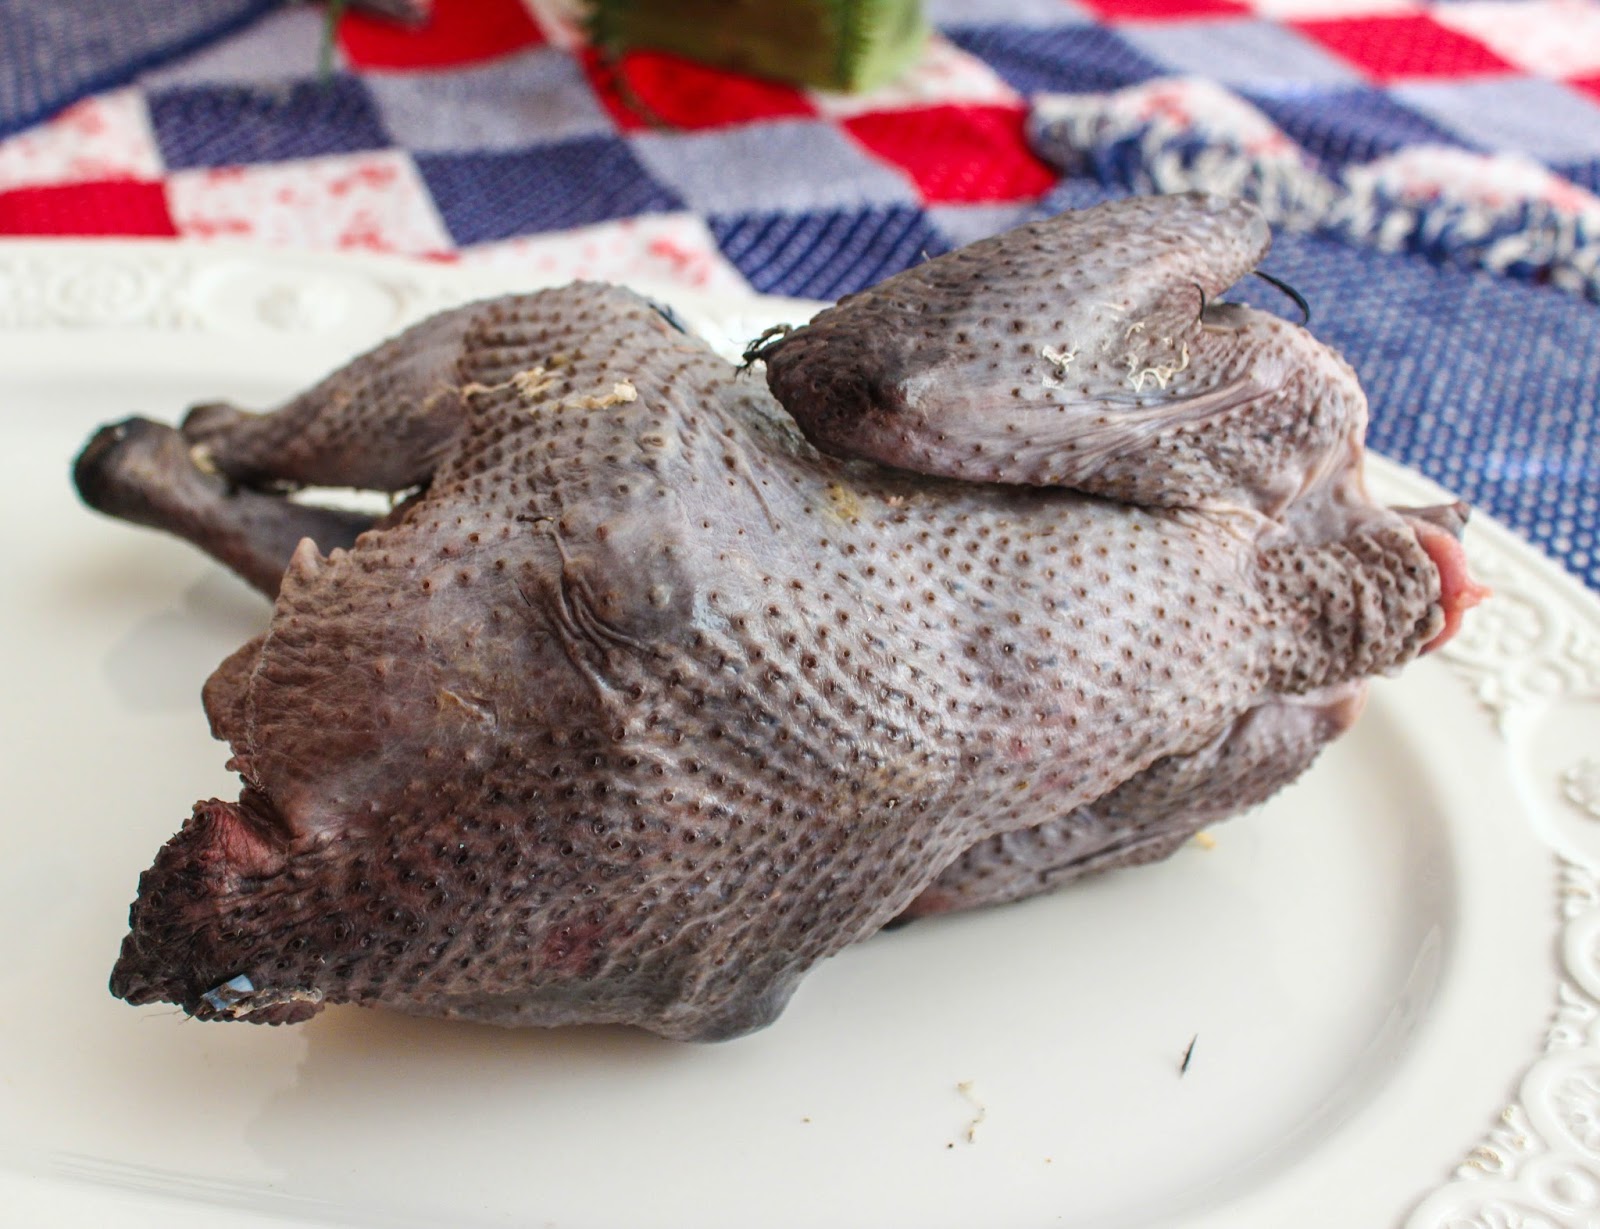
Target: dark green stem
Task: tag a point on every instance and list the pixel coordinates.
(334, 10)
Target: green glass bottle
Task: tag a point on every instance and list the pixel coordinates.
(850, 45)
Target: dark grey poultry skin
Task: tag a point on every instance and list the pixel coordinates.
(648, 701)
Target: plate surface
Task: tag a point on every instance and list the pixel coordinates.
(1391, 974)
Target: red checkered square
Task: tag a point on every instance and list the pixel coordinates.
(459, 32)
(1158, 10)
(1588, 85)
(957, 155)
(644, 89)
(1390, 48)
(109, 207)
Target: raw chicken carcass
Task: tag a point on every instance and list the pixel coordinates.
(658, 688)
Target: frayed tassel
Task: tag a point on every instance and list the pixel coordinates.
(1501, 212)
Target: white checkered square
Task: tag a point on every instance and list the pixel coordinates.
(373, 202)
(665, 249)
(104, 137)
(944, 75)
(1553, 38)
(560, 20)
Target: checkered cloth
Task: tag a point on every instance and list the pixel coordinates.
(1430, 166)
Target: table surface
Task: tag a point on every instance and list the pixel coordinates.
(1432, 169)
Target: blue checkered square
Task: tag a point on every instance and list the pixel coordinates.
(1004, 12)
(53, 52)
(783, 165)
(1260, 53)
(484, 196)
(535, 98)
(214, 125)
(1585, 174)
(963, 224)
(1537, 117)
(1067, 60)
(283, 46)
(1340, 127)
(1076, 192)
(825, 255)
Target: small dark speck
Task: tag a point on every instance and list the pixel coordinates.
(1187, 1055)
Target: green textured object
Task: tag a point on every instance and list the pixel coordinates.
(831, 44)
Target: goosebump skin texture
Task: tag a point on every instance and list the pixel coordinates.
(658, 685)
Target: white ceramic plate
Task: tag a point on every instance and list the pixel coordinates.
(1390, 974)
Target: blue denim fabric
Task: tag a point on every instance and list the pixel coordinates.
(53, 52)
